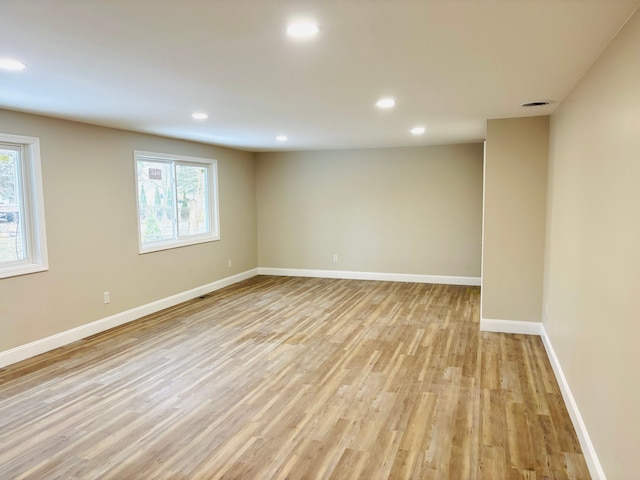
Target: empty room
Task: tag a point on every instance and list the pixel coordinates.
(349, 239)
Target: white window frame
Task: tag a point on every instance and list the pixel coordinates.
(214, 216)
(31, 208)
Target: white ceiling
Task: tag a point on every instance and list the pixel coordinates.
(146, 65)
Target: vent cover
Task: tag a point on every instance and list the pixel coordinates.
(537, 103)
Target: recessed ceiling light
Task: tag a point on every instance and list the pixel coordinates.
(536, 103)
(385, 103)
(302, 29)
(11, 64)
(199, 116)
(281, 138)
(417, 130)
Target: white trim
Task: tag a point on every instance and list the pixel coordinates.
(537, 328)
(32, 211)
(484, 195)
(171, 157)
(37, 347)
(214, 212)
(386, 277)
(588, 450)
(43, 345)
(169, 244)
(510, 326)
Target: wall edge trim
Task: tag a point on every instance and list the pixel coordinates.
(588, 450)
(386, 277)
(510, 326)
(537, 328)
(23, 352)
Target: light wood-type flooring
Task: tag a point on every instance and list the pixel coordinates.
(293, 378)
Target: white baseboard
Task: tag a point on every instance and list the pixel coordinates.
(37, 347)
(588, 450)
(537, 328)
(510, 326)
(387, 277)
(43, 345)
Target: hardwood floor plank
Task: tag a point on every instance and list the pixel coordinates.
(293, 378)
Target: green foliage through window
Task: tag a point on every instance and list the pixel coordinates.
(175, 202)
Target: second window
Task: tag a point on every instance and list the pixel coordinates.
(177, 201)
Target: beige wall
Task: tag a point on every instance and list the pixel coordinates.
(592, 276)
(393, 210)
(514, 218)
(90, 206)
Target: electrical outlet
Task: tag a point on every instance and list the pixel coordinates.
(335, 258)
(107, 297)
(229, 263)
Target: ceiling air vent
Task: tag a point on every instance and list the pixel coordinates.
(537, 103)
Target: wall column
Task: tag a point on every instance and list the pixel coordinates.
(515, 186)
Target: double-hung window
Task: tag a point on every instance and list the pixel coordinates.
(23, 245)
(177, 201)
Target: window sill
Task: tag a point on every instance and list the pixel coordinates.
(156, 247)
(22, 270)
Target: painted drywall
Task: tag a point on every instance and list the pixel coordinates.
(592, 270)
(392, 210)
(91, 220)
(514, 218)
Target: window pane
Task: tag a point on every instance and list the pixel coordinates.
(12, 236)
(193, 199)
(156, 201)
(177, 201)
